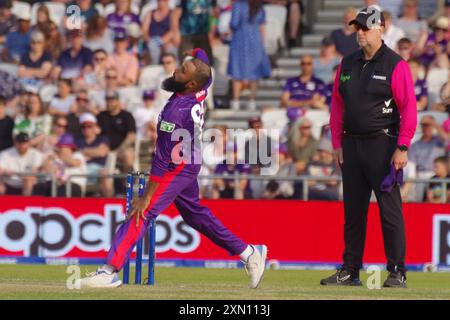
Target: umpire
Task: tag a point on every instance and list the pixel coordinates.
(373, 119)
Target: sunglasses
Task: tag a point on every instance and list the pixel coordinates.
(81, 99)
(307, 127)
(111, 77)
(306, 64)
(363, 28)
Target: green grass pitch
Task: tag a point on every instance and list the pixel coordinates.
(49, 282)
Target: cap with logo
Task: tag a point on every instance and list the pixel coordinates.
(368, 17)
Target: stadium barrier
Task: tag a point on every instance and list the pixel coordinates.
(303, 179)
(299, 234)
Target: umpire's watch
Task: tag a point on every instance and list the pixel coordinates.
(403, 147)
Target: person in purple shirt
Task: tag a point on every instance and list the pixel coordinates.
(122, 17)
(304, 91)
(420, 85)
(173, 178)
(435, 42)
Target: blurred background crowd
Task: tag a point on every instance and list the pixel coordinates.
(80, 90)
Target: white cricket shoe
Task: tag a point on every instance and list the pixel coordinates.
(100, 279)
(256, 265)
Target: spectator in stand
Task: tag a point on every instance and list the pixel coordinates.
(35, 122)
(82, 105)
(444, 105)
(136, 44)
(301, 144)
(44, 22)
(420, 85)
(145, 113)
(435, 43)
(87, 11)
(405, 48)
(18, 42)
(75, 61)
(282, 189)
(64, 101)
(19, 159)
(423, 152)
(157, 31)
(6, 126)
(66, 161)
(37, 63)
(59, 128)
(100, 63)
(328, 89)
(345, 38)
(392, 33)
(437, 75)
(122, 17)
(259, 147)
(95, 149)
(8, 20)
(224, 188)
(98, 36)
(120, 128)
(325, 166)
(435, 190)
(126, 63)
(169, 63)
(54, 42)
(190, 26)
(305, 91)
(248, 60)
(326, 61)
(10, 86)
(111, 83)
(414, 27)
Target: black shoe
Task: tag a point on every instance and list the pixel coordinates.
(395, 280)
(341, 278)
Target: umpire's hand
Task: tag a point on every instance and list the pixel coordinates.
(138, 208)
(338, 156)
(400, 159)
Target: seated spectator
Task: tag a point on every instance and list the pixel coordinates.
(6, 126)
(34, 121)
(301, 144)
(126, 63)
(82, 105)
(95, 150)
(435, 190)
(414, 27)
(100, 63)
(424, 151)
(66, 161)
(8, 20)
(325, 166)
(111, 83)
(21, 158)
(282, 189)
(444, 105)
(145, 113)
(76, 61)
(169, 63)
(37, 63)
(437, 76)
(54, 41)
(392, 33)
(420, 85)
(64, 101)
(328, 89)
(59, 128)
(43, 23)
(405, 48)
(304, 91)
(258, 147)
(157, 31)
(98, 36)
(119, 127)
(18, 42)
(119, 20)
(224, 188)
(345, 38)
(435, 42)
(327, 60)
(147, 146)
(136, 45)
(10, 86)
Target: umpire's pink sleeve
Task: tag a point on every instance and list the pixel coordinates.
(337, 113)
(403, 91)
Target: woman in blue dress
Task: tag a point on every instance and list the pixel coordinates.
(248, 59)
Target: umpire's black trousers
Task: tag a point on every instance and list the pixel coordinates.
(367, 161)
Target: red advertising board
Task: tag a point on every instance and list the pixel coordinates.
(295, 231)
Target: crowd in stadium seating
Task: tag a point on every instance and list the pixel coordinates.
(84, 99)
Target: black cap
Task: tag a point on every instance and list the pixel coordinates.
(22, 137)
(368, 17)
(111, 94)
(327, 41)
(120, 35)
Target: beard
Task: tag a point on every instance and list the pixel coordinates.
(171, 85)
